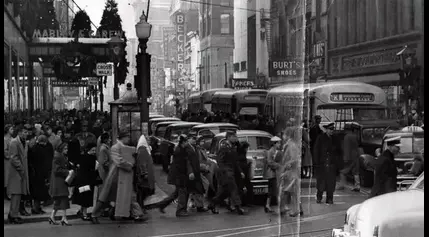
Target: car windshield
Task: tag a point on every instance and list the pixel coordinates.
(373, 133)
(411, 144)
(256, 142)
(160, 130)
(176, 132)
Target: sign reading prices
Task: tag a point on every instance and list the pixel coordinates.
(285, 68)
(180, 31)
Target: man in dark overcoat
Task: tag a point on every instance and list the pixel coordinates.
(195, 186)
(385, 170)
(179, 174)
(227, 161)
(350, 156)
(326, 163)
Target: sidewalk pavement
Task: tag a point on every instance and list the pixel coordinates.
(150, 203)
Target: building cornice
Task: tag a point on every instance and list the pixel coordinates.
(12, 19)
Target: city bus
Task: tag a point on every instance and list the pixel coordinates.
(339, 102)
(242, 102)
(203, 100)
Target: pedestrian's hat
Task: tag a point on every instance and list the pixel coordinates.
(394, 141)
(329, 126)
(275, 139)
(230, 133)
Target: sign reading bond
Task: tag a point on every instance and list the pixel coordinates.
(285, 68)
(104, 69)
(352, 97)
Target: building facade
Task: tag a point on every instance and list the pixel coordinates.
(364, 38)
(18, 94)
(286, 46)
(216, 31)
(250, 40)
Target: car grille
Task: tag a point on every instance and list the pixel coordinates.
(259, 168)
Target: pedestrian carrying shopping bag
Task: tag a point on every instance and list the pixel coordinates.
(70, 177)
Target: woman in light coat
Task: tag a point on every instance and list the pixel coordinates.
(8, 131)
(270, 169)
(288, 177)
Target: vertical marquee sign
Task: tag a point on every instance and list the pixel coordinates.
(180, 32)
(167, 33)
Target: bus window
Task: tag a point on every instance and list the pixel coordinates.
(370, 114)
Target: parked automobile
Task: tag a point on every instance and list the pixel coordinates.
(151, 116)
(171, 139)
(396, 214)
(209, 130)
(259, 142)
(156, 138)
(152, 122)
(412, 141)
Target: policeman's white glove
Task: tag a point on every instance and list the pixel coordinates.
(191, 176)
(97, 165)
(242, 175)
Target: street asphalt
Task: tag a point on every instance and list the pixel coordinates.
(318, 220)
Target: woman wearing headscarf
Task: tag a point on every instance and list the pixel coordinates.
(289, 174)
(270, 169)
(83, 194)
(58, 188)
(8, 133)
(40, 160)
(144, 178)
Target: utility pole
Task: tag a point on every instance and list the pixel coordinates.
(200, 81)
(226, 76)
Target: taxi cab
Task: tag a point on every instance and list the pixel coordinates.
(208, 130)
(152, 122)
(259, 142)
(156, 138)
(412, 143)
(387, 215)
(171, 139)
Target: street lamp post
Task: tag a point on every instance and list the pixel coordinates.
(116, 45)
(143, 30)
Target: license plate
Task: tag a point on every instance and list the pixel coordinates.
(260, 191)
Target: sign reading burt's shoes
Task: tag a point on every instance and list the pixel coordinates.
(285, 68)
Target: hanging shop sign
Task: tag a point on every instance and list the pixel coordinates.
(352, 97)
(69, 84)
(181, 41)
(242, 84)
(104, 69)
(50, 33)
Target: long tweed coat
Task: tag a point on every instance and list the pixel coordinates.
(60, 170)
(18, 182)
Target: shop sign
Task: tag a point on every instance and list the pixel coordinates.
(242, 84)
(285, 68)
(69, 84)
(352, 97)
(379, 58)
(180, 31)
(51, 33)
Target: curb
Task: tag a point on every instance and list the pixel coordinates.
(37, 219)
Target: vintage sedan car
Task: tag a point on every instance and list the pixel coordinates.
(151, 116)
(259, 142)
(171, 139)
(209, 130)
(156, 138)
(152, 122)
(396, 214)
(412, 140)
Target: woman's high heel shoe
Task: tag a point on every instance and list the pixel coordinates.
(213, 209)
(63, 222)
(267, 209)
(52, 221)
(94, 220)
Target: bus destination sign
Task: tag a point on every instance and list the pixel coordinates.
(352, 97)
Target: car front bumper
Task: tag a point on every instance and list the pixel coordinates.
(260, 186)
(341, 233)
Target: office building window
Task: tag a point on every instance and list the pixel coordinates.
(224, 24)
(225, 2)
(243, 66)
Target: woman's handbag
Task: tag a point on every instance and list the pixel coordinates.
(70, 177)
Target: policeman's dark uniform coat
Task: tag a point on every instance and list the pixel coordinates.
(195, 185)
(227, 161)
(385, 173)
(326, 163)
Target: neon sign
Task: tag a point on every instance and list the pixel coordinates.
(352, 97)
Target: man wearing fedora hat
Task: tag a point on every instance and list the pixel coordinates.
(326, 162)
(350, 156)
(385, 169)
